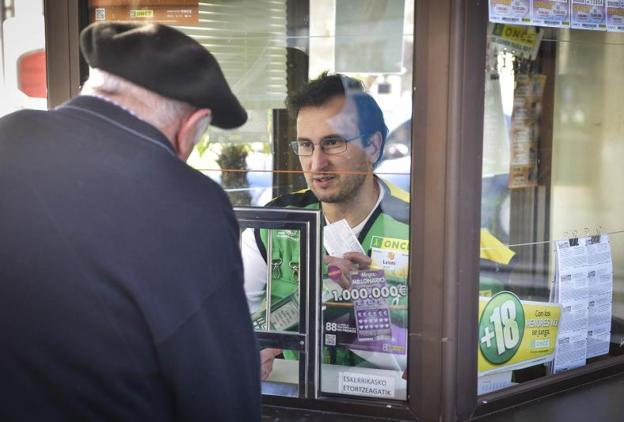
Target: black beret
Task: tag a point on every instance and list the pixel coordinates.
(166, 61)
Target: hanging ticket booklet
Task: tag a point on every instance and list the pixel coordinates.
(615, 15)
(600, 285)
(553, 13)
(588, 14)
(510, 11)
(571, 291)
(584, 288)
(523, 163)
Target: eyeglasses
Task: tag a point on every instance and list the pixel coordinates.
(330, 145)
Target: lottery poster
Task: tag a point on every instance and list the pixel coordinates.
(515, 334)
(510, 11)
(523, 163)
(364, 317)
(372, 314)
(553, 13)
(169, 12)
(615, 15)
(588, 14)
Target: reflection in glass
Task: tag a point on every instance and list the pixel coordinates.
(364, 318)
(365, 237)
(272, 290)
(280, 375)
(265, 55)
(23, 82)
(273, 294)
(359, 177)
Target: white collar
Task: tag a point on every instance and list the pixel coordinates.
(358, 228)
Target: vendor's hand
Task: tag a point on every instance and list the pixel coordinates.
(349, 262)
(267, 356)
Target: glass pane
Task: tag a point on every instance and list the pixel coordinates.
(280, 369)
(358, 134)
(358, 175)
(281, 307)
(23, 82)
(364, 335)
(551, 239)
(282, 373)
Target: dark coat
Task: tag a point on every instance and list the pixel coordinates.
(121, 283)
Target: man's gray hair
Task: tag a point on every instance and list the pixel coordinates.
(159, 111)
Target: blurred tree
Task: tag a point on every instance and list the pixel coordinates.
(234, 174)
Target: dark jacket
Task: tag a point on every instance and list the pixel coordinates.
(121, 283)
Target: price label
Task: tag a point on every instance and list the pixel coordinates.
(501, 328)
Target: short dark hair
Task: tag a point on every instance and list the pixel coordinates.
(322, 89)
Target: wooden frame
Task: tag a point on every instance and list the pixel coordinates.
(63, 24)
(448, 118)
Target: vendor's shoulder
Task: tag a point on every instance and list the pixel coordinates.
(299, 199)
(395, 203)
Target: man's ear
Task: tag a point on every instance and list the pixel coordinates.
(373, 149)
(184, 139)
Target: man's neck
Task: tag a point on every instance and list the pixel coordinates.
(134, 106)
(356, 209)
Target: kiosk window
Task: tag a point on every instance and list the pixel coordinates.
(343, 148)
(552, 244)
(340, 145)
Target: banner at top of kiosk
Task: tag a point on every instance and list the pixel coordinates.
(594, 15)
(514, 333)
(162, 11)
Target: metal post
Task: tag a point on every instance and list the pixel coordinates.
(269, 280)
(2, 18)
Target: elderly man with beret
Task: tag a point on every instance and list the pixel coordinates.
(121, 283)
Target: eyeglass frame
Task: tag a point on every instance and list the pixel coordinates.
(294, 145)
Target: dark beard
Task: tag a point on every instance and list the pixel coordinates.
(349, 189)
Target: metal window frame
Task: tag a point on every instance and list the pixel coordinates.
(467, 36)
(2, 18)
(449, 67)
(306, 341)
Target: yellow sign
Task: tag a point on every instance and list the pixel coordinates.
(163, 11)
(141, 13)
(390, 243)
(515, 334)
(523, 40)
